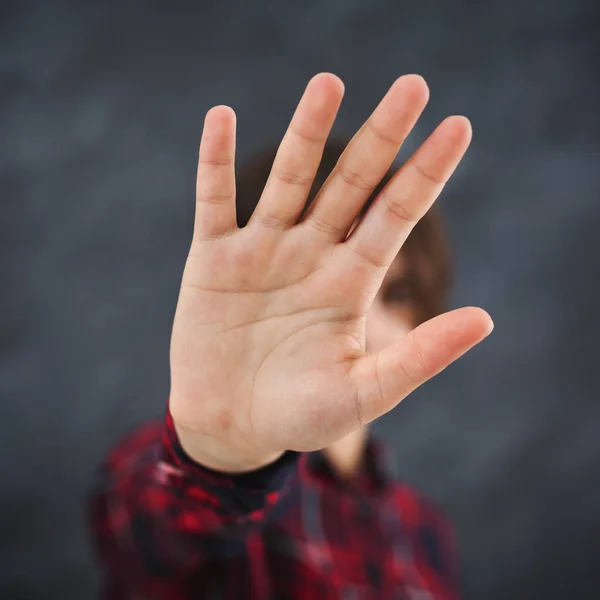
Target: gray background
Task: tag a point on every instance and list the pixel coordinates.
(101, 113)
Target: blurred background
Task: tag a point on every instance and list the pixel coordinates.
(101, 112)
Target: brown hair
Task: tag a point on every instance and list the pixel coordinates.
(427, 274)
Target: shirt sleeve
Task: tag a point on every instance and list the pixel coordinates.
(157, 515)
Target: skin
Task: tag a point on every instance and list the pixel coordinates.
(268, 349)
(386, 324)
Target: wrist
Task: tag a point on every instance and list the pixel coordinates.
(221, 456)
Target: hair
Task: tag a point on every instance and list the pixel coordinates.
(427, 275)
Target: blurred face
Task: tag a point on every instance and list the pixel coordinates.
(390, 319)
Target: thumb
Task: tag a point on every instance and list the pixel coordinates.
(383, 379)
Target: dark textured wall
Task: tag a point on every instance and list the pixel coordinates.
(101, 113)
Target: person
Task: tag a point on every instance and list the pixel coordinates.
(292, 333)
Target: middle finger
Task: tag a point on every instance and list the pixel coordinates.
(366, 159)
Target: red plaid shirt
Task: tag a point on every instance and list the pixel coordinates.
(165, 527)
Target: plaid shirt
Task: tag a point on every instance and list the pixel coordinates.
(165, 527)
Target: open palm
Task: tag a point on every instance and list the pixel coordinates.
(268, 345)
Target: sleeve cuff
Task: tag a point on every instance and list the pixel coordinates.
(240, 492)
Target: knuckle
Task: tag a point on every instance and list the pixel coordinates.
(214, 197)
(380, 393)
(215, 162)
(420, 361)
(358, 403)
(360, 252)
(399, 211)
(270, 221)
(352, 178)
(424, 174)
(382, 136)
(407, 372)
(292, 178)
(315, 140)
(322, 226)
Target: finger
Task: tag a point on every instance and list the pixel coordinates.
(382, 380)
(299, 154)
(367, 159)
(408, 195)
(215, 183)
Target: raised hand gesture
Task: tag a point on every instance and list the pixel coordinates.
(268, 344)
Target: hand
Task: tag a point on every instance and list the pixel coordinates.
(268, 343)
